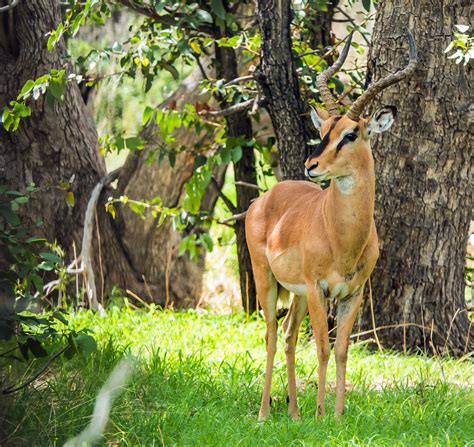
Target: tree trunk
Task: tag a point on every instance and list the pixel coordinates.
(60, 143)
(153, 250)
(56, 143)
(239, 124)
(424, 171)
(277, 77)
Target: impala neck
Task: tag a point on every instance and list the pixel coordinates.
(350, 210)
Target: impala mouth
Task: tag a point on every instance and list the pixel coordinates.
(315, 176)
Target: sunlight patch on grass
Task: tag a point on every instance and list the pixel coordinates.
(198, 379)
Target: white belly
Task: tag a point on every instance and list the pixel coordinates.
(297, 289)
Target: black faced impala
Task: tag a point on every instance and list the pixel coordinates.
(321, 244)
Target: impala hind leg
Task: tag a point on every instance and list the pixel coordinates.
(319, 323)
(267, 294)
(296, 313)
(346, 315)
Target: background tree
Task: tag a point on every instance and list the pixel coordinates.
(424, 170)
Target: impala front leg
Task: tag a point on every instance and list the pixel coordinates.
(346, 314)
(319, 322)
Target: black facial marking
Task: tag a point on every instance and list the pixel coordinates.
(349, 138)
(325, 141)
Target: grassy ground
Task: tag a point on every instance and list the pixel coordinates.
(198, 378)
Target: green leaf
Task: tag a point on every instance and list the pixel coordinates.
(50, 257)
(226, 156)
(59, 316)
(147, 114)
(35, 347)
(200, 161)
(183, 245)
(86, 344)
(172, 158)
(134, 143)
(37, 281)
(203, 16)
(218, 8)
(236, 154)
(366, 5)
(171, 69)
(24, 93)
(56, 88)
(207, 240)
(69, 197)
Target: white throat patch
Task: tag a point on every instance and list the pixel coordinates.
(345, 184)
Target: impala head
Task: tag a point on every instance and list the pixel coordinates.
(345, 139)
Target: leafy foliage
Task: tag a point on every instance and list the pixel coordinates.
(29, 261)
(167, 37)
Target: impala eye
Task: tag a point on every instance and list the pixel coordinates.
(350, 137)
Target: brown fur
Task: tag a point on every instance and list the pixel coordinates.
(301, 235)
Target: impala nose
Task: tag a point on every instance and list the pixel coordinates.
(307, 171)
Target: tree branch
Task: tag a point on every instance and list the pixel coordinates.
(240, 107)
(352, 22)
(12, 389)
(11, 5)
(235, 217)
(239, 79)
(224, 198)
(248, 185)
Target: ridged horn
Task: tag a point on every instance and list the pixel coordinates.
(361, 102)
(323, 79)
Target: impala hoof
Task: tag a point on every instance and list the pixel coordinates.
(295, 415)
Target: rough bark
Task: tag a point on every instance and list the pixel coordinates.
(424, 169)
(53, 145)
(239, 124)
(58, 143)
(277, 77)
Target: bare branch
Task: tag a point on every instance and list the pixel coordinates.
(352, 22)
(248, 185)
(11, 5)
(224, 198)
(12, 389)
(240, 107)
(234, 218)
(240, 79)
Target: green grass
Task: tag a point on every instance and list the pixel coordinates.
(198, 378)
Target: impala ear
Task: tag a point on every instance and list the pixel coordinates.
(318, 116)
(382, 119)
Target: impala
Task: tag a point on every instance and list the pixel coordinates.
(321, 244)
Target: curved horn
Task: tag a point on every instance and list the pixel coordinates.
(359, 105)
(323, 78)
